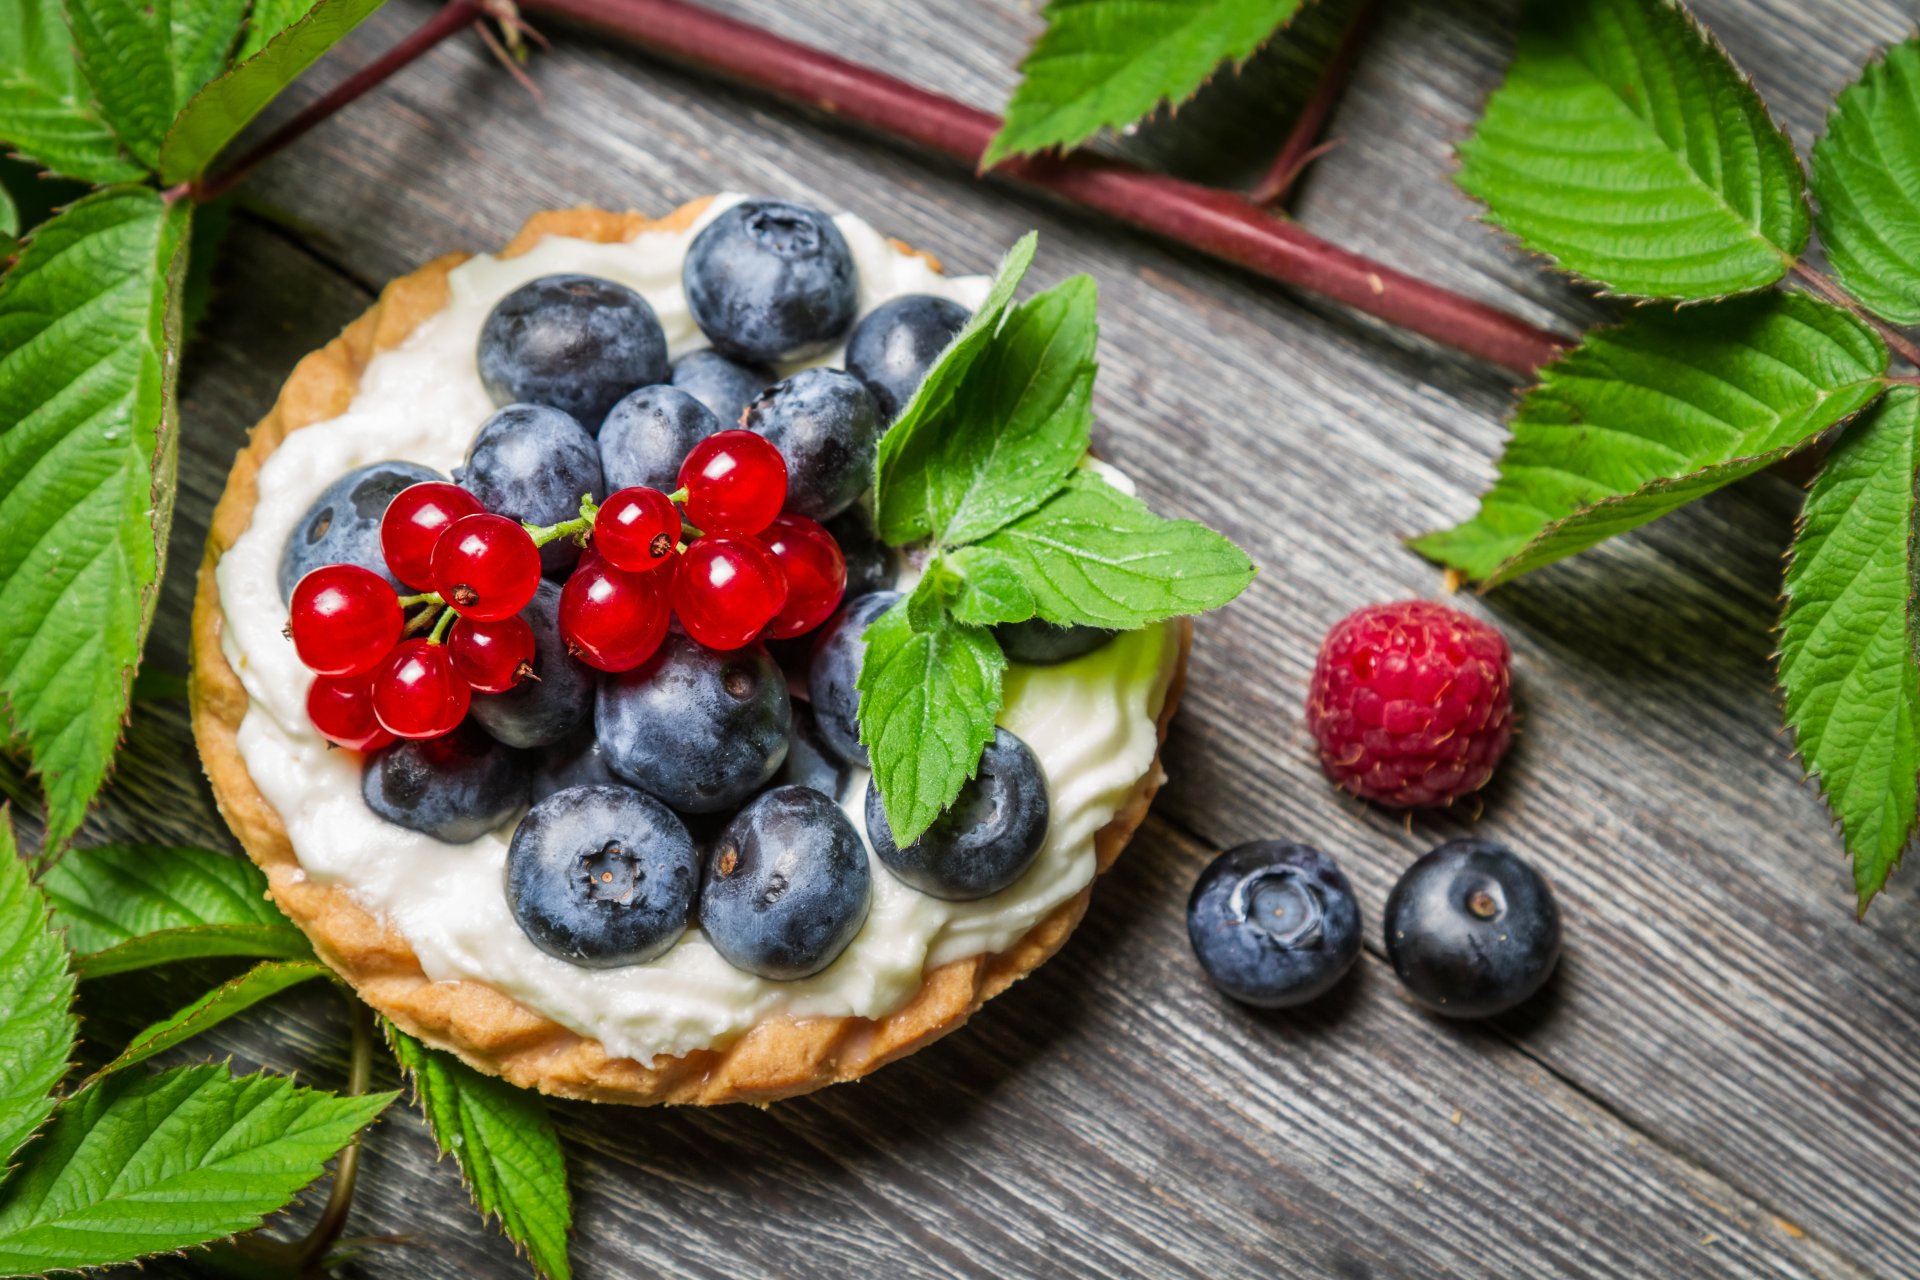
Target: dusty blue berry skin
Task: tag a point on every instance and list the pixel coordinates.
(769, 281)
(575, 343)
(834, 674)
(1040, 643)
(895, 344)
(810, 762)
(343, 524)
(649, 434)
(699, 729)
(871, 564)
(725, 386)
(988, 836)
(532, 463)
(574, 761)
(823, 423)
(1472, 929)
(456, 788)
(558, 700)
(1273, 924)
(786, 885)
(602, 876)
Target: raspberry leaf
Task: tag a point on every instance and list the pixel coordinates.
(144, 59)
(46, 111)
(36, 1003)
(1847, 637)
(224, 1001)
(505, 1145)
(1103, 64)
(1665, 408)
(1866, 177)
(138, 1164)
(1626, 146)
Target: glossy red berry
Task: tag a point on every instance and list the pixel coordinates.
(612, 619)
(726, 590)
(637, 529)
(494, 656)
(414, 521)
(417, 693)
(736, 482)
(342, 710)
(344, 619)
(486, 567)
(815, 571)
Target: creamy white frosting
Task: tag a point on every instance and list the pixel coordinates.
(1090, 722)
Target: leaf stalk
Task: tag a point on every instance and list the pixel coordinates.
(1303, 146)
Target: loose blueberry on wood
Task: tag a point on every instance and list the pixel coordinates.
(454, 788)
(576, 343)
(834, 674)
(1273, 924)
(555, 700)
(825, 426)
(724, 386)
(532, 464)
(895, 344)
(649, 434)
(786, 886)
(988, 836)
(1472, 929)
(1040, 643)
(343, 524)
(771, 281)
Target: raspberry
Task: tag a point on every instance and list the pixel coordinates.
(1411, 703)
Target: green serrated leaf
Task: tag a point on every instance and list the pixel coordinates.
(220, 111)
(928, 700)
(261, 982)
(1866, 179)
(1626, 146)
(37, 1026)
(505, 1145)
(1847, 637)
(9, 217)
(1103, 64)
(45, 109)
(1643, 418)
(88, 329)
(139, 1164)
(133, 906)
(268, 19)
(144, 60)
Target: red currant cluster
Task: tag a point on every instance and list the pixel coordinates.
(733, 570)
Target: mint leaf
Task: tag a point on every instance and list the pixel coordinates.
(1669, 406)
(217, 113)
(505, 1145)
(928, 700)
(36, 1002)
(133, 906)
(45, 110)
(992, 590)
(145, 58)
(1102, 64)
(224, 1001)
(1866, 178)
(88, 328)
(1626, 146)
(141, 1164)
(1847, 637)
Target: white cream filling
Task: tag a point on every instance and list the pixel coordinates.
(1090, 722)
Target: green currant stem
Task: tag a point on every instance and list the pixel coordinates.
(424, 620)
(542, 534)
(425, 597)
(678, 496)
(439, 632)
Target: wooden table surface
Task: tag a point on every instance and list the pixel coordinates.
(1724, 1080)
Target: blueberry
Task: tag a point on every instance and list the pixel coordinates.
(343, 524)
(988, 836)
(1273, 924)
(649, 434)
(725, 386)
(895, 344)
(771, 281)
(871, 565)
(786, 886)
(1040, 643)
(810, 762)
(456, 788)
(558, 700)
(700, 729)
(824, 424)
(832, 678)
(1472, 930)
(573, 343)
(602, 876)
(574, 761)
(532, 463)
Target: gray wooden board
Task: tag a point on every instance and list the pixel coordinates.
(1723, 1081)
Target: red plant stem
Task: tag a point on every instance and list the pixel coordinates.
(1302, 146)
(1896, 341)
(1220, 223)
(455, 17)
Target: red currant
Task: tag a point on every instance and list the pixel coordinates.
(486, 567)
(417, 693)
(612, 619)
(726, 590)
(344, 619)
(414, 521)
(637, 529)
(815, 571)
(493, 657)
(342, 710)
(736, 482)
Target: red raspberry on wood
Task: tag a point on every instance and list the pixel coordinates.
(1411, 703)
